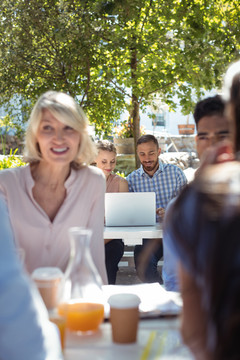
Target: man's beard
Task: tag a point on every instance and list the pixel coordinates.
(151, 166)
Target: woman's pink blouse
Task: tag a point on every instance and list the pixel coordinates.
(46, 243)
(113, 182)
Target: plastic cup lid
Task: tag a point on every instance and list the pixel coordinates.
(124, 301)
(47, 273)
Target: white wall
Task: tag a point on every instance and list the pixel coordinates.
(173, 118)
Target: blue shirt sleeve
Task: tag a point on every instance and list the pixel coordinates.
(24, 325)
(129, 180)
(181, 179)
(169, 270)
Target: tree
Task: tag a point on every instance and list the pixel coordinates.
(158, 47)
(55, 45)
(116, 55)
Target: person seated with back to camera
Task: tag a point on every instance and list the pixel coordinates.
(204, 225)
(212, 128)
(106, 161)
(57, 189)
(25, 331)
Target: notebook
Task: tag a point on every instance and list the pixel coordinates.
(130, 209)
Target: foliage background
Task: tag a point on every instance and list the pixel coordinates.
(115, 55)
(11, 161)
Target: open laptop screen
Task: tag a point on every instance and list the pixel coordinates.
(130, 209)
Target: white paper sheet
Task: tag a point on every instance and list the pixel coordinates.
(155, 300)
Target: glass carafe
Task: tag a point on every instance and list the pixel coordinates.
(81, 300)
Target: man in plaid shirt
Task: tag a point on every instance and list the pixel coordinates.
(166, 180)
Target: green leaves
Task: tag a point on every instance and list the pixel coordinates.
(10, 161)
(113, 55)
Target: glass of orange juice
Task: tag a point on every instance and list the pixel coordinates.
(83, 317)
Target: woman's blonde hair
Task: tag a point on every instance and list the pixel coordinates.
(65, 109)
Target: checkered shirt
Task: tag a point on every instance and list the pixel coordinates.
(166, 182)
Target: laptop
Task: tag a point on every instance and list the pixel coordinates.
(130, 209)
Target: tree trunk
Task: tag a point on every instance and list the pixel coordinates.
(136, 126)
(135, 104)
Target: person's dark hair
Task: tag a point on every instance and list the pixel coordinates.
(213, 259)
(208, 107)
(147, 138)
(235, 106)
(106, 145)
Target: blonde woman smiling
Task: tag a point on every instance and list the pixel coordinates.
(57, 189)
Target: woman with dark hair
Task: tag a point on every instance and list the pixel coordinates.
(204, 223)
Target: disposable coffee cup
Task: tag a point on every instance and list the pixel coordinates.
(124, 317)
(48, 280)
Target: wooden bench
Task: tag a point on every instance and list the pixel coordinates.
(128, 258)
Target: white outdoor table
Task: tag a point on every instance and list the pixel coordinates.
(167, 343)
(133, 235)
